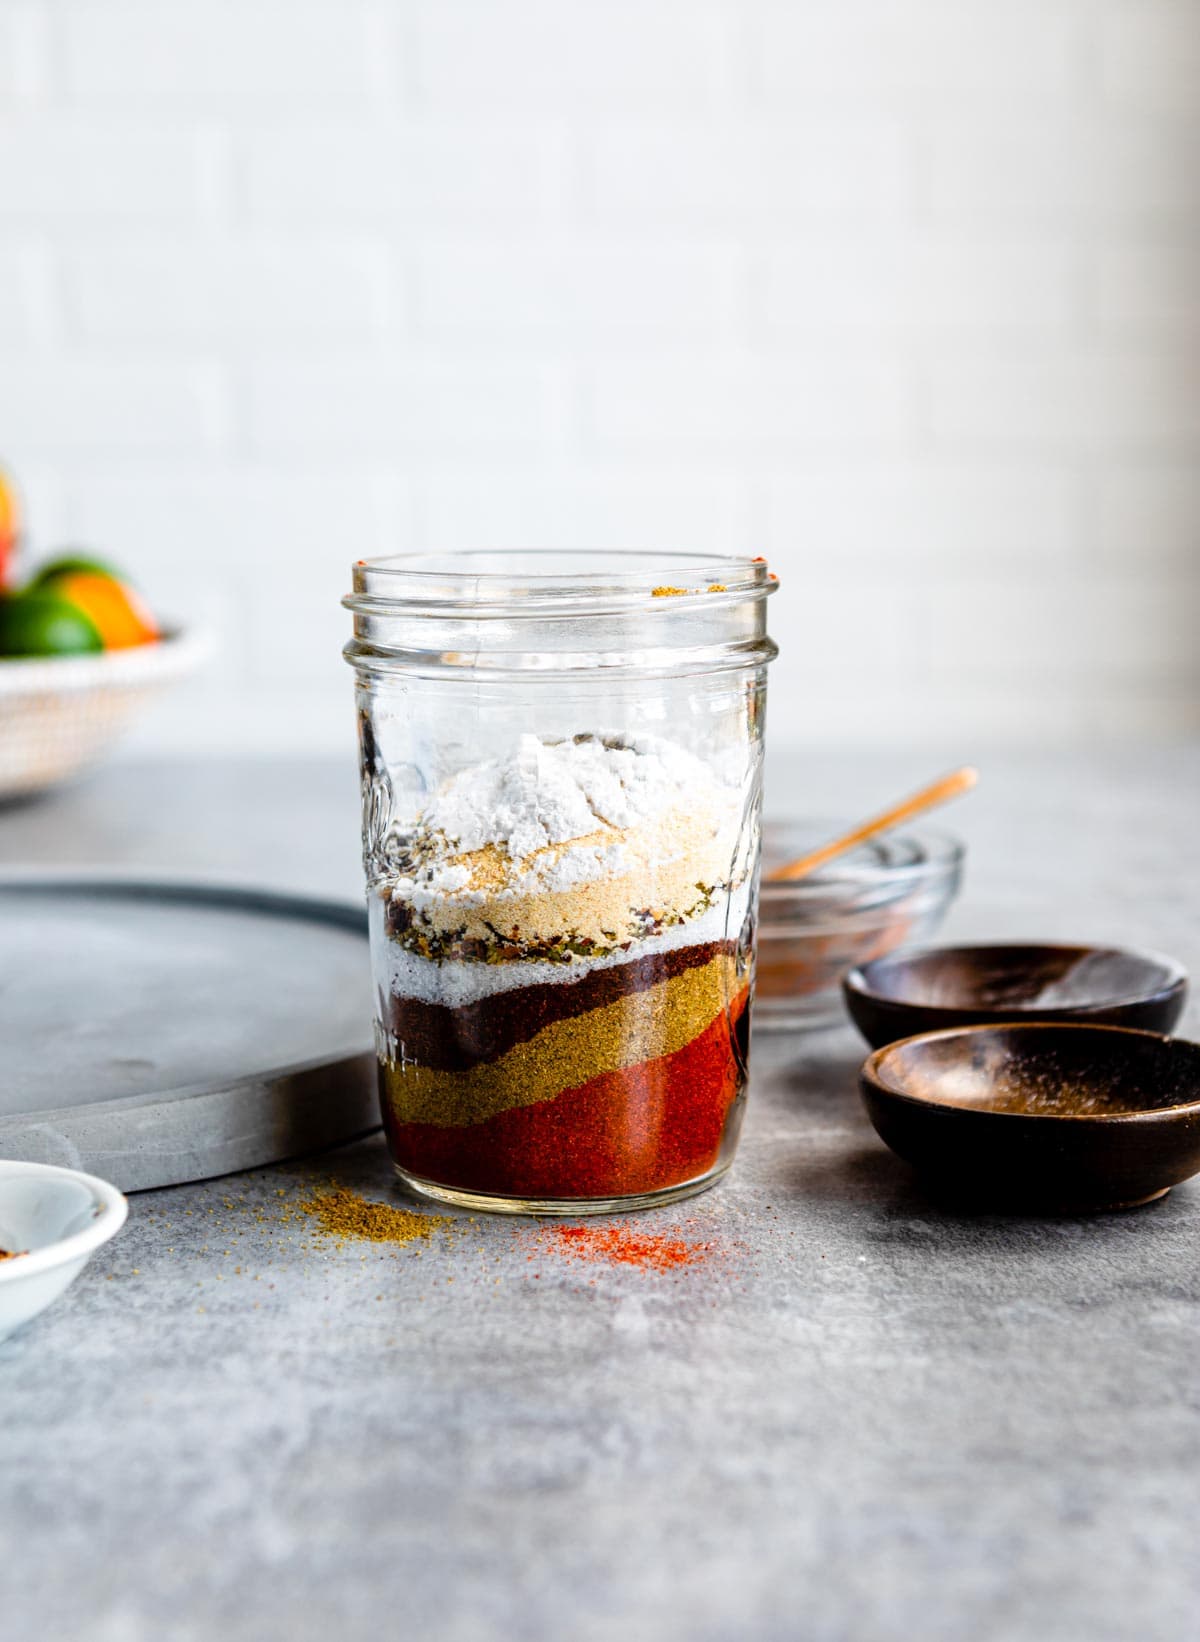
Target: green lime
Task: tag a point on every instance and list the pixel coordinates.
(39, 624)
(72, 564)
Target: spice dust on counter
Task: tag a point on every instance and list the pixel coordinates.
(623, 1246)
(343, 1213)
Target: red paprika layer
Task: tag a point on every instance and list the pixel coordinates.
(639, 1128)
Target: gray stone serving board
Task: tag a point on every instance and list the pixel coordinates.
(155, 1032)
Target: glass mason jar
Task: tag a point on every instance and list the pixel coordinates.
(561, 774)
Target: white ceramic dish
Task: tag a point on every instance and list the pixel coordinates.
(61, 714)
(60, 1217)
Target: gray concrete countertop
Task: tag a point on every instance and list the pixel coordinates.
(859, 1418)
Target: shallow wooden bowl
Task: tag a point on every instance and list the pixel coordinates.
(1068, 1118)
(934, 987)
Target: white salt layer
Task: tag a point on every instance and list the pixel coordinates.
(548, 793)
(587, 839)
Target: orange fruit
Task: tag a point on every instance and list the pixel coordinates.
(10, 524)
(118, 614)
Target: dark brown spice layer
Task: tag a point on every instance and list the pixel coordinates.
(453, 1040)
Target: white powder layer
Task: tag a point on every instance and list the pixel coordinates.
(569, 842)
(549, 793)
(454, 983)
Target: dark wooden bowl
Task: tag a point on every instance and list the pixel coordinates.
(934, 987)
(1067, 1118)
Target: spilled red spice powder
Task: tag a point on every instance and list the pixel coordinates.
(622, 1246)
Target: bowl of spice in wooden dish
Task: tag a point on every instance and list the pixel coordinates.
(924, 991)
(1046, 1116)
(887, 893)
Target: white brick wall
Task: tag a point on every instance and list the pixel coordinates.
(1149, 291)
(389, 176)
(894, 284)
(1106, 171)
(112, 405)
(755, 174)
(81, 174)
(22, 54)
(1150, 56)
(612, 56)
(420, 413)
(188, 290)
(953, 51)
(579, 290)
(905, 293)
(759, 409)
(1114, 403)
(244, 58)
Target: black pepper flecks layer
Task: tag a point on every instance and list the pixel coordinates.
(455, 1039)
(413, 930)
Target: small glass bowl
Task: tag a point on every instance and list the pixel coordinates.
(889, 893)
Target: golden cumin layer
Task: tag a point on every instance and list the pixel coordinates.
(638, 1027)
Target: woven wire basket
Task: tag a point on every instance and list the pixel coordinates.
(61, 714)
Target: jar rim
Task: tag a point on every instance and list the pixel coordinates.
(538, 579)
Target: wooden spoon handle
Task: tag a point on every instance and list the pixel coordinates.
(950, 786)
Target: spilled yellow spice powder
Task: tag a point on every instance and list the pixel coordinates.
(343, 1213)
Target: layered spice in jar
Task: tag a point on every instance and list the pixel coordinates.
(565, 1009)
(561, 760)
